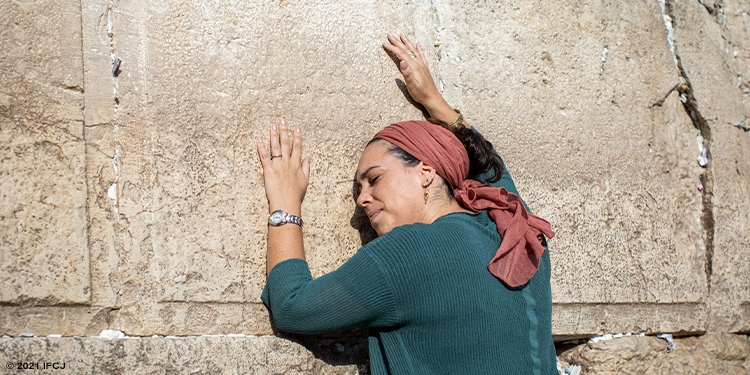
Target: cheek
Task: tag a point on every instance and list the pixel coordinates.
(408, 201)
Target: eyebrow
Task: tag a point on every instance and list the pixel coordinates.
(363, 174)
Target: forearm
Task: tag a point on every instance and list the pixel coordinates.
(356, 294)
(284, 242)
(286, 176)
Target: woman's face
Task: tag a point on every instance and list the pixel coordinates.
(390, 192)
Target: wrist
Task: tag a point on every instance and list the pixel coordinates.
(281, 217)
(441, 110)
(294, 209)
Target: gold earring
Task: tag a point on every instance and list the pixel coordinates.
(426, 195)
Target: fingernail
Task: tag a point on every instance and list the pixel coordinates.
(283, 121)
(419, 45)
(274, 128)
(260, 140)
(403, 65)
(297, 130)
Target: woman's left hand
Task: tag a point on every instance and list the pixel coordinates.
(416, 72)
(414, 68)
(285, 173)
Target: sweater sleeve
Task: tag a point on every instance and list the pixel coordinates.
(355, 295)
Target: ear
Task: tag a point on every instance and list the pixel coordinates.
(426, 174)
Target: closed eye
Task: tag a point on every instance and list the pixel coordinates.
(356, 190)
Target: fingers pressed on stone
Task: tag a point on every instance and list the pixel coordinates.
(407, 42)
(395, 41)
(306, 166)
(262, 153)
(275, 147)
(297, 144)
(284, 137)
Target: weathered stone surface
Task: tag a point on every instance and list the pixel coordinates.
(65, 320)
(575, 320)
(706, 38)
(709, 354)
(193, 355)
(156, 180)
(43, 235)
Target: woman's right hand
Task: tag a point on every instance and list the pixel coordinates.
(285, 173)
(416, 72)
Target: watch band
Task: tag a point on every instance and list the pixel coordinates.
(281, 217)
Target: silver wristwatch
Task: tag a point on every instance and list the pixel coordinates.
(281, 217)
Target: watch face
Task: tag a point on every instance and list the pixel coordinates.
(277, 217)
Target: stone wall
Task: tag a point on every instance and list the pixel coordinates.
(133, 201)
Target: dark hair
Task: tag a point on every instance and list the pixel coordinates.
(482, 156)
(406, 158)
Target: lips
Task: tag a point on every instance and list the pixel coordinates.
(373, 214)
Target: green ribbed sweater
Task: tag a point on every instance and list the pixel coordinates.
(430, 303)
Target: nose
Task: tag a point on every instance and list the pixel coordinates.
(364, 199)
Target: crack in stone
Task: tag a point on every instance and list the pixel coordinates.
(25, 301)
(708, 8)
(437, 44)
(661, 101)
(114, 189)
(74, 88)
(690, 104)
(81, 89)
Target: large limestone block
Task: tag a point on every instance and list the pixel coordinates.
(709, 354)
(731, 155)
(193, 355)
(43, 251)
(730, 279)
(60, 320)
(705, 40)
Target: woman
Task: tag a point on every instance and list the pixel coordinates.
(439, 290)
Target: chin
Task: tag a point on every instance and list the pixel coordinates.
(381, 230)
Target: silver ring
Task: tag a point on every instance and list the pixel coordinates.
(275, 156)
(412, 54)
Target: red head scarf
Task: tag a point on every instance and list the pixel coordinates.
(517, 259)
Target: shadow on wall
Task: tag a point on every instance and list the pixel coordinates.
(402, 86)
(360, 221)
(342, 348)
